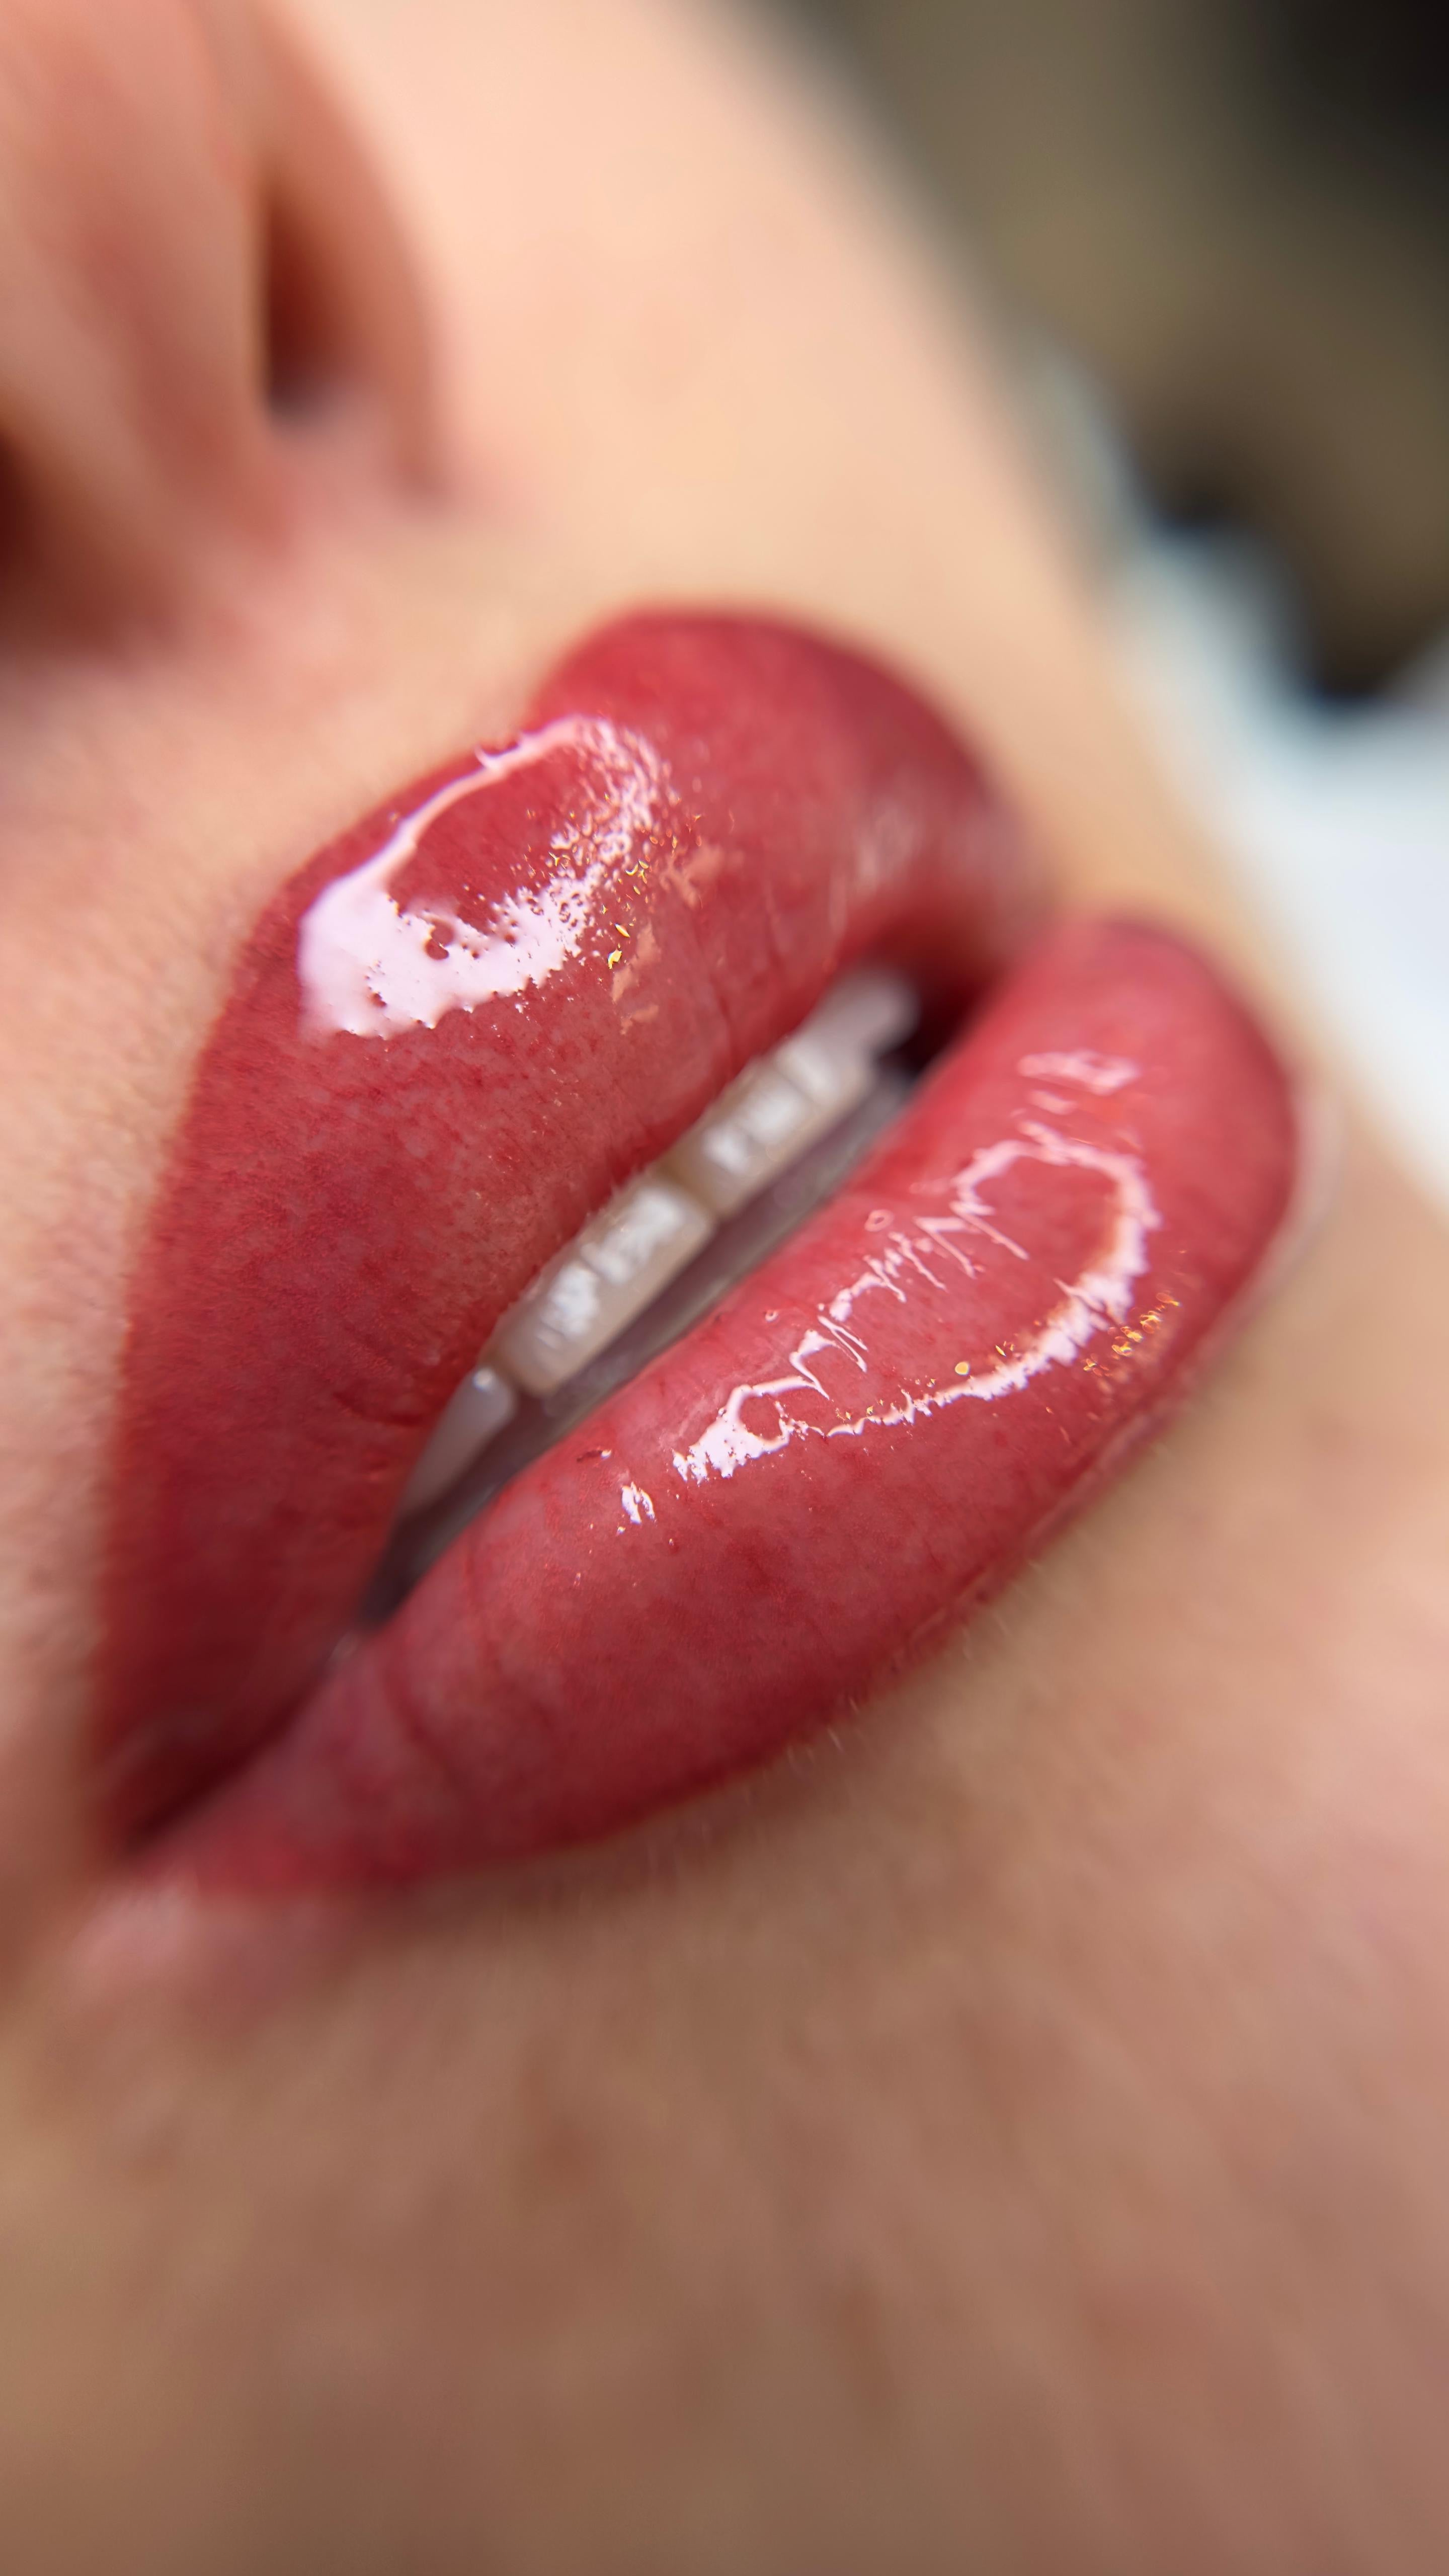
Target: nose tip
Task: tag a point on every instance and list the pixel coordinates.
(200, 272)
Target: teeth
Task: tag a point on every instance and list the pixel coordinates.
(868, 1012)
(607, 1276)
(779, 1106)
(623, 1257)
(483, 1404)
(758, 1126)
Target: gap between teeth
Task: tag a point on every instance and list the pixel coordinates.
(652, 1228)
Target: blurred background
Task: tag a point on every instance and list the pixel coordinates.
(1219, 231)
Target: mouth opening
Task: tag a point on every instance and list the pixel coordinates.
(666, 1249)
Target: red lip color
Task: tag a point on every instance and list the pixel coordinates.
(703, 820)
(452, 1034)
(869, 1434)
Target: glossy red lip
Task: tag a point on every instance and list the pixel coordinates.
(444, 1046)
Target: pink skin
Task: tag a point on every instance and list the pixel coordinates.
(346, 1215)
(789, 1500)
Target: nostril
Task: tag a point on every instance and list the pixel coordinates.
(129, 425)
(342, 320)
(17, 510)
(196, 259)
(327, 352)
(308, 358)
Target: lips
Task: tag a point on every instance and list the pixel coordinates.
(452, 1035)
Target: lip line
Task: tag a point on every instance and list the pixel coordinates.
(980, 906)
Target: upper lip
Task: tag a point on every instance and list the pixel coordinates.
(447, 1040)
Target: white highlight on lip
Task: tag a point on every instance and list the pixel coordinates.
(370, 968)
(1098, 1299)
(638, 1504)
(1101, 1074)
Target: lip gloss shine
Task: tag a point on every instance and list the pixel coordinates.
(866, 1438)
(453, 1035)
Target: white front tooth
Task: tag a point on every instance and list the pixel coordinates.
(832, 1075)
(474, 1415)
(869, 1011)
(765, 1121)
(649, 1220)
(783, 1103)
(608, 1275)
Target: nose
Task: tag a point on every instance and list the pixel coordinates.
(202, 281)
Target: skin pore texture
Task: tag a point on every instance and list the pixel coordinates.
(1008, 2136)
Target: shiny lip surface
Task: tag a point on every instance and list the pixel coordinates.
(451, 1035)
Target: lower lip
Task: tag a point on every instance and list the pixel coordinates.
(864, 1440)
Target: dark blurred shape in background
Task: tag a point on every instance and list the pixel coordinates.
(1236, 213)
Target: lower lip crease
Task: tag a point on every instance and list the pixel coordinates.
(865, 1439)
